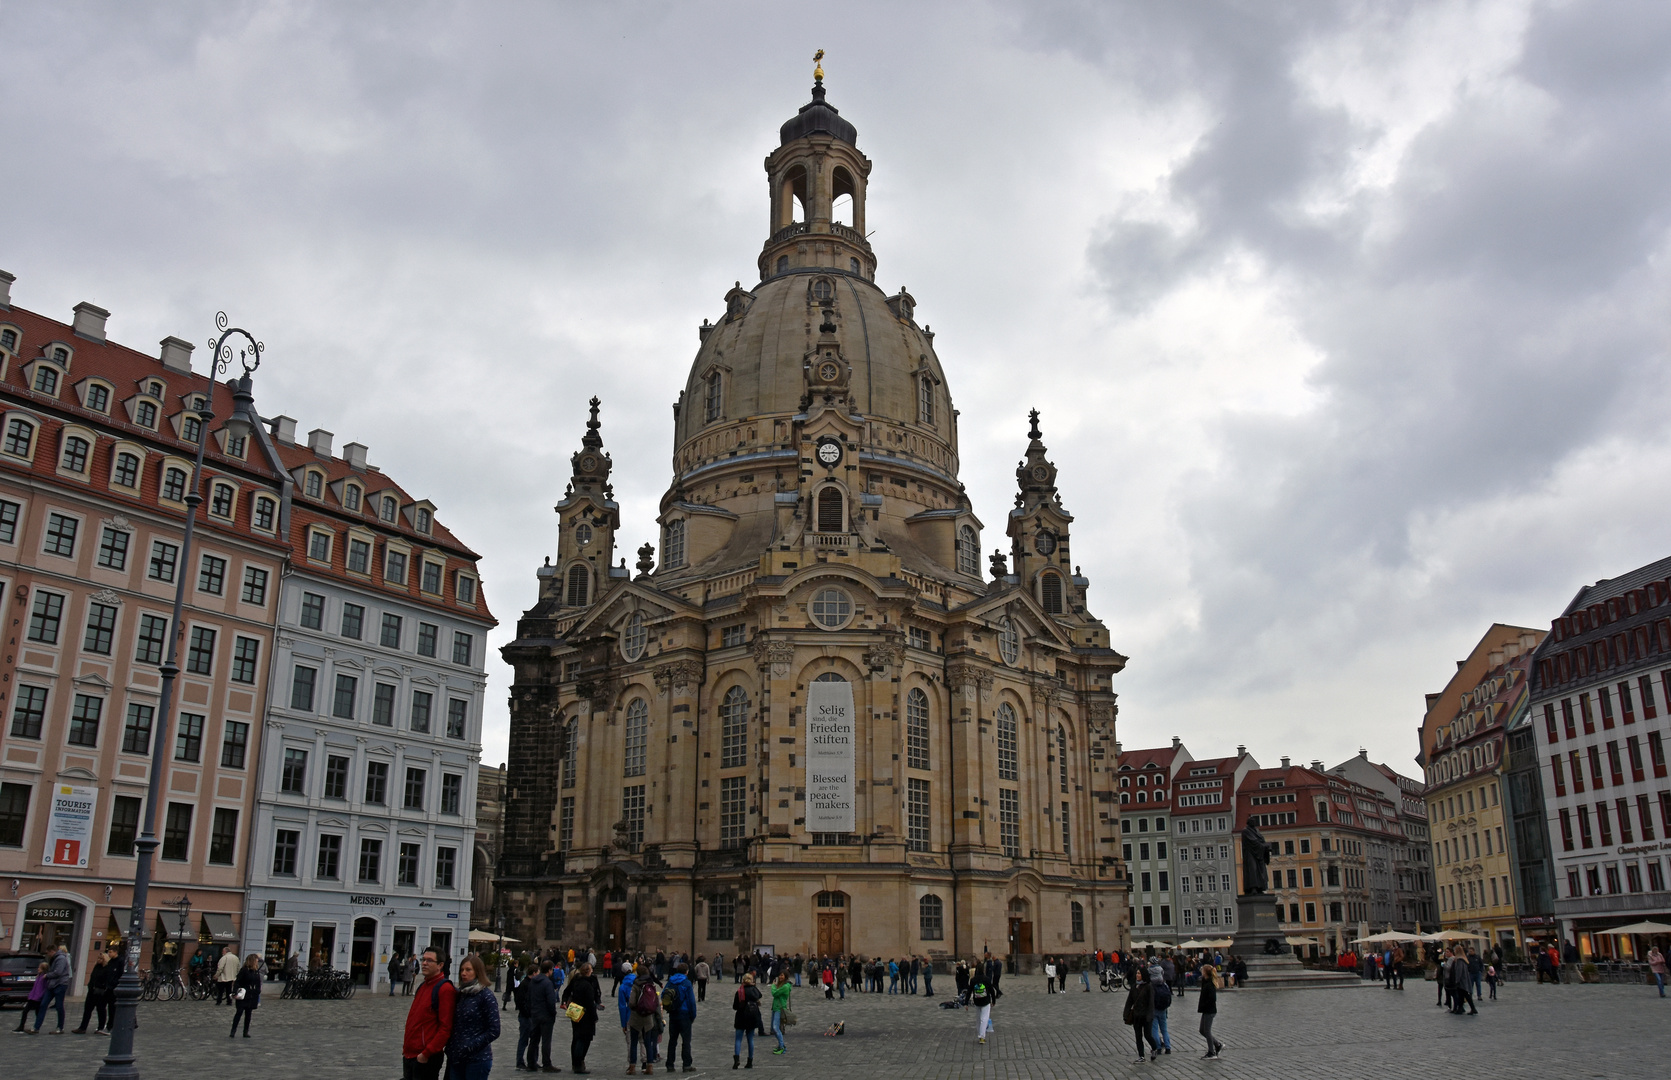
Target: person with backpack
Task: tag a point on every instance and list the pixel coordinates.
(980, 996)
(1159, 1036)
(429, 1022)
(1139, 1012)
(641, 1021)
(745, 1008)
(679, 999)
(1207, 1006)
(542, 1019)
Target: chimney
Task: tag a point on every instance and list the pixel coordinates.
(319, 441)
(283, 429)
(6, 288)
(355, 454)
(1317, 763)
(1176, 742)
(89, 321)
(1241, 750)
(1285, 763)
(1528, 642)
(1363, 753)
(1495, 657)
(176, 355)
(1116, 747)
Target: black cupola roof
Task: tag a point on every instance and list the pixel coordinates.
(816, 116)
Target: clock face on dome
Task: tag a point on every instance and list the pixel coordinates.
(1045, 543)
(828, 371)
(829, 452)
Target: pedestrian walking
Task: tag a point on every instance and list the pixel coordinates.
(226, 973)
(639, 1002)
(583, 990)
(1491, 979)
(37, 993)
(1162, 997)
(980, 996)
(745, 1009)
(429, 1022)
(58, 976)
(541, 995)
(1656, 964)
(1139, 1011)
(475, 1023)
(246, 993)
(397, 971)
(780, 1010)
(97, 980)
(681, 1014)
(1207, 1005)
(1049, 976)
(703, 972)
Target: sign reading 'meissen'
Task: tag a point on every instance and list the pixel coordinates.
(829, 757)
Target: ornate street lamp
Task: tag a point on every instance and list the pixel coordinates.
(119, 1061)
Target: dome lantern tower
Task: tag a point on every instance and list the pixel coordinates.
(815, 165)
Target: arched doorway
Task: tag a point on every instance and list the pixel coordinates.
(830, 916)
(1021, 928)
(51, 922)
(360, 961)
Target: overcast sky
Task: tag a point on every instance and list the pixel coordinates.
(1348, 322)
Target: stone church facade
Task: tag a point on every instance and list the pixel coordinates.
(814, 531)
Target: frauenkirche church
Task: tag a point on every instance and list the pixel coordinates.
(822, 723)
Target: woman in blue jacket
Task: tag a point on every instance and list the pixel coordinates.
(475, 1023)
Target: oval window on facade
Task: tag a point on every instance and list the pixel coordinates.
(1009, 642)
(831, 608)
(633, 637)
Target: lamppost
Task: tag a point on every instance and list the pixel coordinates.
(183, 906)
(119, 1061)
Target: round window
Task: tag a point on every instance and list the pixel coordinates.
(831, 608)
(822, 290)
(1009, 642)
(583, 534)
(633, 637)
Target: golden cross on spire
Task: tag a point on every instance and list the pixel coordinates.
(817, 67)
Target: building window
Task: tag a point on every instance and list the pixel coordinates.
(917, 814)
(359, 556)
(74, 458)
(633, 637)
(553, 920)
(351, 497)
(394, 567)
(412, 797)
(831, 608)
(458, 714)
(463, 645)
(1076, 914)
(176, 832)
(916, 729)
(427, 633)
(211, 575)
(293, 773)
(126, 472)
(191, 430)
(20, 437)
(286, 843)
(722, 917)
(1009, 822)
(452, 792)
(163, 558)
(145, 415)
(188, 738)
(1050, 588)
(425, 519)
(371, 861)
(465, 587)
(98, 398)
(301, 688)
(9, 512)
(579, 580)
(223, 836)
(431, 581)
(832, 508)
(101, 628)
(1062, 759)
(28, 712)
(673, 545)
(329, 865)
(264, 513)
(245, 653)
(388, 510)
(925, 399)
(733, 811)
(571, 750)
(733, 714)
(637, 736)
(353, 620)
(255, 586)
(220, 501)
(113, 549)
(45, 617)
(46, 380)
(410, 856)
(336, 777)
(1009, 641)
(931, 918)
(136, 731)
(173, 485)
(1008, 755)
(715, 399)
(565, 824)
(421, 700)
(377, 784)
(1067, 832)
(319, 545)
(389, 633)
(342, 705)
(632, 813)
(446, 861)
(314, 485)
(383, 705)
(124, 825)
(200, 654)
(968, 551)
(84, 720)
(60, 535)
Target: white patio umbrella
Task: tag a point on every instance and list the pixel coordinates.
(1646, 927)
(488, 935)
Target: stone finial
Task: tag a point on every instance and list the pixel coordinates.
(646, 559)
(1000, 564)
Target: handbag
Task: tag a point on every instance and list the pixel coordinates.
(241, 992)
(576, 1011)
(789, 1018)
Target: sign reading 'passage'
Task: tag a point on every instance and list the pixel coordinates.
(829, 757)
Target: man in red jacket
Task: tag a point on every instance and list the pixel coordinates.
(429, 1023)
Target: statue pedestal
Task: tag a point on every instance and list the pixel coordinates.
(1256, 927)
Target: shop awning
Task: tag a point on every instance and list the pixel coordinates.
(217, 929)
(168, 926)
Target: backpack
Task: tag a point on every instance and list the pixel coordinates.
(644, 1001)
(1163, 995)
(980, 995)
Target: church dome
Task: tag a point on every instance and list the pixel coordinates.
(817, 117)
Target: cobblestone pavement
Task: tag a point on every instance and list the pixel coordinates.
(1532, 1031)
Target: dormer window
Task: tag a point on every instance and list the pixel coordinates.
(191, 430)
(195, 404)
(351, 497)
(389, 508)
(715, 399)
(220, 501)
(61, 354)
(822, 290)
(466, 589)
(74, 458)
(425, 520)
(968, 551)
(394, 567)
(46, 380)
(125, 473)
(154, 388)
(145, 415)
(20, 437)
(673, 545)
(98, 398)
(8, 341)
(314, 484)
(263, 514)
(236, 447)
(430, 581)
(925, 399)
(174, 484)
(319, 545)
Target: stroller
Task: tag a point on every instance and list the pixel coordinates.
(1109, 978)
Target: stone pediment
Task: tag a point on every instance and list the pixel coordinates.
(1021, 605)
(624, 598)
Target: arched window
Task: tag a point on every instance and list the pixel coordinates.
(265, 508)
(1007, 743)
(220, 501)
(1062, 755)
(968, 551)
(733, 736)
(1050, 589)
(351, 497)
(673, 545)
(783, 264)
(314, 485)
(831, 509)
(931, 918)
(127, 471)
(389, 508)
(75, 454)
(1125, 796)
(925, 398)
(579, 579)
(571, 749)
(715, 399)
(46, 380)
(553, 919)
(1142, 796)
(638, 736)
(1076, 912)
(822, 290)
(832, 900)
(20, 437)
(174, 485)
(1009, 641)
(916, 729)
(831, 676)
(633, 637)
